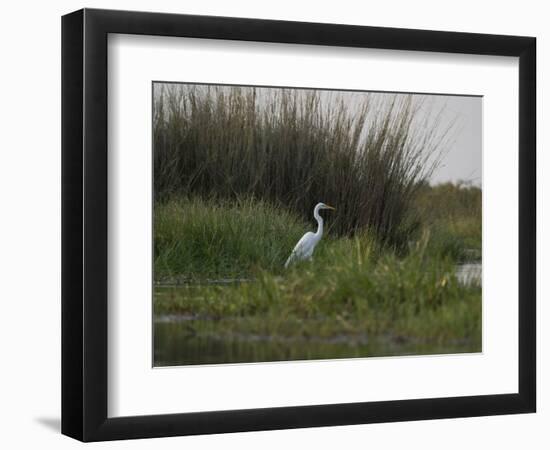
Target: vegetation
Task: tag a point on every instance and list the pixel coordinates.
(452, 215)
(294, 148)
(362, 290)
(197, 239)
(221, 263)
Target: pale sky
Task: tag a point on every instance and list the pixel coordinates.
(463, 159)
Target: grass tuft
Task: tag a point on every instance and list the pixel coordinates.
(220, 239)
(295, 148)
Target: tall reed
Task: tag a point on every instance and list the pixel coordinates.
(366, 154)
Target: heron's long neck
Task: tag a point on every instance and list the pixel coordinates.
(319, 219)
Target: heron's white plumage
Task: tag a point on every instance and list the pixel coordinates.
(304, 248)
(306, 245)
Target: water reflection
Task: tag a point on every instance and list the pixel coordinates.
(196, 341)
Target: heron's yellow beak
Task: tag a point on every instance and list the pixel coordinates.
(329, 207)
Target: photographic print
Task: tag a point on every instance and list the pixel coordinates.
(306, 224)
(314, 225)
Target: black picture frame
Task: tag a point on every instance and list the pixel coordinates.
(84, 224)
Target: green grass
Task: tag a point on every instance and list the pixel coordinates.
(353, 286)
(451, 213)
(198, 239)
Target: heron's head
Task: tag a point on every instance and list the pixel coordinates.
(323, 206)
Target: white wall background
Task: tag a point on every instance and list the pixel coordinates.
(30, 227)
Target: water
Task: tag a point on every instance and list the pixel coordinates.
(189, 341)
(469, 273)
(466, 273)
(175, 344)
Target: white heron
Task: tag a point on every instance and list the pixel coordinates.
(306, 245)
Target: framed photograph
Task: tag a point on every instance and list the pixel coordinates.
(273, 224)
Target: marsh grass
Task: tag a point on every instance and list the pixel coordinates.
(353, 286)
(197, 239)
(294, 148)
(349, 289)
(220, 239)
(452, 215)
